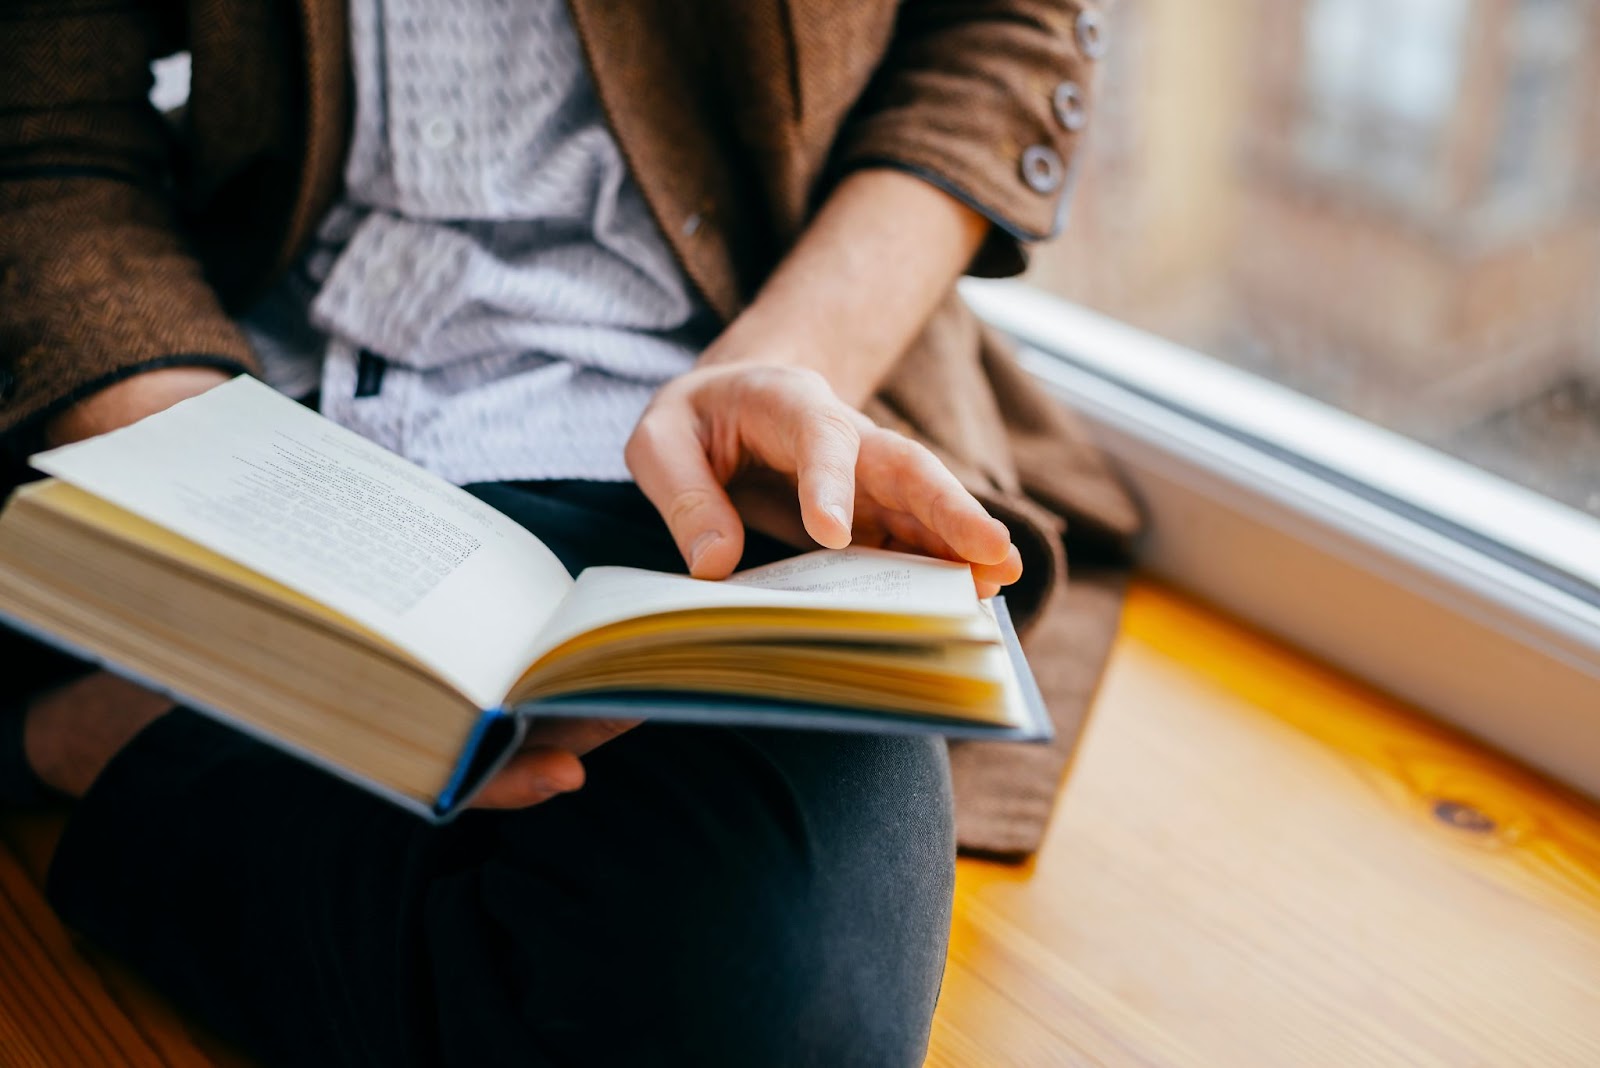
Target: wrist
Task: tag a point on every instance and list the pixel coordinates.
(769, 336)
(863, 279)
(129, 400)
(70, 734)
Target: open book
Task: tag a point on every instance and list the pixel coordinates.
(263, 564)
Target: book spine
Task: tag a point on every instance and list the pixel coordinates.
(494, 738)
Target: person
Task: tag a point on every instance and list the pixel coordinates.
(670, 284)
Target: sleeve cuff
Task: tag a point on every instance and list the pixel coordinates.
(1004, 252)
(26, 436)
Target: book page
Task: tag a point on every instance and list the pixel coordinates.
(248, 473)
(887, 581)
(838, 580)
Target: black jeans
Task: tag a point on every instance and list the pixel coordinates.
(711, 896)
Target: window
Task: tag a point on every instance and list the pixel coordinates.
(1330, 294)
(1390, 205)
(1532, 171)
(1379, 84)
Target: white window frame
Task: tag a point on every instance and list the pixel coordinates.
(1460, 592)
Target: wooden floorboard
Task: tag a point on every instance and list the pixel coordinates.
(1258, 861)
(54, 1008)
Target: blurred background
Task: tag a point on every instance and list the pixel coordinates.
(1390, 205)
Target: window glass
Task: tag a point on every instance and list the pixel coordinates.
(1378, 79)
(1392, 205)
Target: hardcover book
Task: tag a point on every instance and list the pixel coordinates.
(267, 566)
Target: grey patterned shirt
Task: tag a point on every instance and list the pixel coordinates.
(491, 255)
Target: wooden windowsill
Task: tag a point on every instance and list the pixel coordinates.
(1256, 861)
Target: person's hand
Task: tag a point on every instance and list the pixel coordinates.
(72, 733)
(774, 446)
(547, 764)
(130, 400)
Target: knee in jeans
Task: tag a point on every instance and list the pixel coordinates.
(854, 947)
(795, 915)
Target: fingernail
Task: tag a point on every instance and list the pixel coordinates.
(701, 546)
(839, 515)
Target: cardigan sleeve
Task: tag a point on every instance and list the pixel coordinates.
(987, 100)
(96, 280)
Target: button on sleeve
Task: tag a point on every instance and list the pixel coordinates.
(985, 99)
(1071, 109)
(1090, 31)
(1042, 169)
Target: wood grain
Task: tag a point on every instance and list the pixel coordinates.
(54, 1010)
(109, 989)
(1258, 861)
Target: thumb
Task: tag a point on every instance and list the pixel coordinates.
(669, 463)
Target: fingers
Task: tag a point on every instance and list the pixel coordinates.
(768, 502)
(794, 422)
(990, 579)
(718, 423)
(668, 461)
(1004, 573)
(783, 419)
(548, 764)
(576, 736)
(906, 533)
(531, 777)
(826, 471)
(904, 476)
